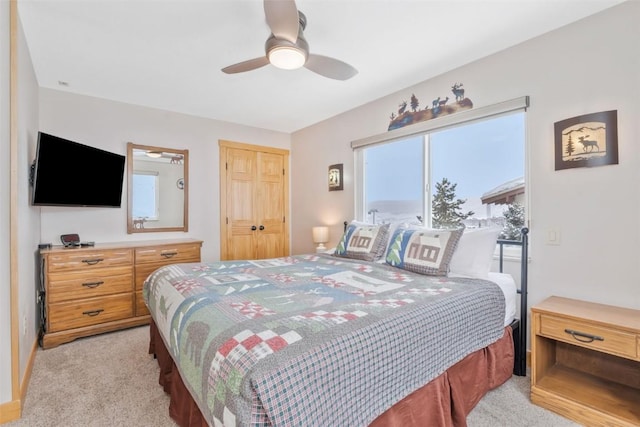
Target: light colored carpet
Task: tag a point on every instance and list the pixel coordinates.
(110, 380)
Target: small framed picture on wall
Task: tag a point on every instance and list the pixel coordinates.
(335, 178)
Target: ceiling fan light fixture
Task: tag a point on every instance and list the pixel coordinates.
(154, 154)
(287, 57)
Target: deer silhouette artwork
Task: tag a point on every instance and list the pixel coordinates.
(435, 102)
(458, 92)
(443, 102)
(403, 107)
(588, 144)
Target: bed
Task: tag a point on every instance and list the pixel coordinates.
(320, 339)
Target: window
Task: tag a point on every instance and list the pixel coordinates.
(481, 163)
(145, 195)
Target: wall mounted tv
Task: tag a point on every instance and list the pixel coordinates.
(66, 173)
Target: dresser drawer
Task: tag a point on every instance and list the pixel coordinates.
(92, 311)
(169, 254)
(578, 333)
(144, 270)
(141, 307)
(89, 284)
(88, 260)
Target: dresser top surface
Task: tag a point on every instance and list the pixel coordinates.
(599, 313)
(121, 245)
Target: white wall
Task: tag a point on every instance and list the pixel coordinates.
(589, 66)
(110, 125)
(5, 295)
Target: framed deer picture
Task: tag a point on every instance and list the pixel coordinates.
(587, 140)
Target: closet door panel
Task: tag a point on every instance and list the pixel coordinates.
(240, 202)
(270, 205)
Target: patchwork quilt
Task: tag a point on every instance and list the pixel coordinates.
(314, 339)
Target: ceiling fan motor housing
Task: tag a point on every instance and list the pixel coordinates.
(300, 47)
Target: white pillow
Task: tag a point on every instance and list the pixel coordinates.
(474, 254)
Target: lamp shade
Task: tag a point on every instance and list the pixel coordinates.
(320, 236)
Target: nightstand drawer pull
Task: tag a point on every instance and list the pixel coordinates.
(93, 261)
(169, 254)
(583, 337)
(92, 313)
(92, 284)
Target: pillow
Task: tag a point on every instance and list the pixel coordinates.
(393, 226)
(474, 254)
(363, 241)
(423, 250)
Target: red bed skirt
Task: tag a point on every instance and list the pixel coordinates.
(445, 401)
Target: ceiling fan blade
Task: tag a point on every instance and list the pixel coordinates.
(249, 65)
(330, 67)
(282, 18)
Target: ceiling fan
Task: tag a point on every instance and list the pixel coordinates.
(287, 48)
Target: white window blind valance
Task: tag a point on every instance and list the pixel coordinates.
(441, 123)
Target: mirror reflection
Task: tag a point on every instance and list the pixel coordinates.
(157, 189)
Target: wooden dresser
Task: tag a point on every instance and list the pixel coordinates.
(90, 290)
(585, 361)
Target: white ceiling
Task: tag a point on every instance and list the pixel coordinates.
(168, 54)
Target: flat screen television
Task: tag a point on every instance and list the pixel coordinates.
(67, 173)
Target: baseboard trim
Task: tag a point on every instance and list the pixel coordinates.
(10, 411)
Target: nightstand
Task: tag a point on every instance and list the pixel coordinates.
(585, 361)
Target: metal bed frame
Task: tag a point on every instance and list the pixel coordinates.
(519, 326)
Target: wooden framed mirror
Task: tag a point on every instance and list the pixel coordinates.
(157, 189)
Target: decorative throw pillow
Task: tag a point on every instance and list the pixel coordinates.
(474, 254)
(363, 241)
(423, 250)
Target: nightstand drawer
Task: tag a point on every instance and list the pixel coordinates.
(80, 285)
(169, 254)
(92, 311)
(88, 260)
(589, 336)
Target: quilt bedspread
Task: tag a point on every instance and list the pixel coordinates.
(314, 337)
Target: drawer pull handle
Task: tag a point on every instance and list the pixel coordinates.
(92, 313)
(582, 337)
(169, 254)
(93, 284)
(93, 261)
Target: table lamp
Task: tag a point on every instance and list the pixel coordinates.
(320, 237)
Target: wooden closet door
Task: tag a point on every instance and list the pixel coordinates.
(254, 202)
(270, 206)
(240, 191)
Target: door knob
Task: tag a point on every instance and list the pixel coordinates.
(261, 227)
(253, 228)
